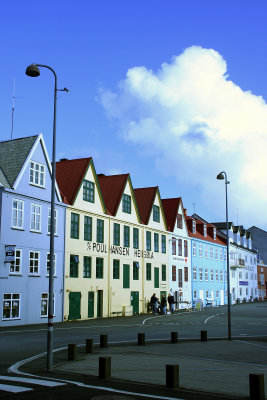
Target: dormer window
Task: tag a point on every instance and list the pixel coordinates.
(156, 213)
(205, 230)
(88, 191)
(126, 204)
(37, 174)
(214, 233)
(194, 226)
(180, 221)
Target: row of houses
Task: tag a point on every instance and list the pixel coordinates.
(115, 245)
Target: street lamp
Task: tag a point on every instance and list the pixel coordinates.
(220, 176)
(33, 71)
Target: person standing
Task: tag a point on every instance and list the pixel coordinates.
(163, 304)
(153, 302)
(171, 302)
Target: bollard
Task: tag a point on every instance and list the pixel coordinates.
(141, 339)
(103, 340)
(203, 336)
(104, 367)
(89, 347)
(172, 376)
(72, 352)
(174, 337)
(123, 311)
(256, 386)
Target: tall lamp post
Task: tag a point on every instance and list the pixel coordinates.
(222, 175)
(33, 71)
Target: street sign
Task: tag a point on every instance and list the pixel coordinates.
(10, 253)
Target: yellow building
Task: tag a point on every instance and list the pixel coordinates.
(112, 265)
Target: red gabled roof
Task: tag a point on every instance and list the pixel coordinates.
(112, 188)
(145, 198)
(170, 207)
(199, 235)
(69, 176)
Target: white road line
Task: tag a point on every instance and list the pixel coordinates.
(251, 344)
(41, 382)
(209, 318)
(167, 315)
(14, 389)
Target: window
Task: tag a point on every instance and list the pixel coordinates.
(180, 250)
(44, 304)
(217, 294)
(135, 271)
(15, 266)
(206, 252)
(217, 275)
(207, 294)
(126, 238)
(211, 275)
(221, 254)
(87, 267)
(74, 266)
(173, 246)
(205, 230)
(88, 191)
(180, 277)
(116, 234)
(37, 174)
(156, 242)
(185, 248)
(200, 250)
(194, 249)
(74, 226)
(206, 274)
(214, 233)
(246, 275)
(49, 222)
(233, 274)
(163, 244)
(17, 213)
(186, 274)
(240, 291)
(221, 276)
(195, 294)
(11, 306)
(135, 238)
(180, 221)
(194, 226)
(148, 272)
(35, 218)
(194, 273)
(200, 274)
(48, 264)
(87, 228)
(148, 240)
(99, 268)
(100, 231)
(211, 252)
(163, 272)
(216, 253)
(126, 203)
(156, 217)
(173, 273)
(240, 275)
(116, 269)
(34, 262)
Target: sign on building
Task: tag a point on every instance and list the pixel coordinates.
(10, 251)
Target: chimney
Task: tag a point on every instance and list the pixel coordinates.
(185, 212)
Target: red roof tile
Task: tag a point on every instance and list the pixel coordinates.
(170, 207)
(145, 198)
(112, 188)
(199, 230)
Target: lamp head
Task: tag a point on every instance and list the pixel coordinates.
(220, 176)
(32, 70)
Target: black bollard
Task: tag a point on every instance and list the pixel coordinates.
(104, 367)
(172, 376)
(141, 339)
(89, 348)
(256, 387)
(103, 340)
(174, 337)
(72, 352)
(203, 336)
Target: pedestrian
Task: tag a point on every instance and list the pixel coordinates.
(163, 304)
(153, 302)
(171, 302)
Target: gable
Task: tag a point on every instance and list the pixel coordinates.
(162, 222)
(181, 231)
(122, 214)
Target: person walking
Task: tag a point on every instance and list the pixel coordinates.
(153, 302)
(163, 304)
(171, 302)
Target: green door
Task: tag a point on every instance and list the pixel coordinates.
(74, 305)
(91, 304)
(156, 277)
(126, 276)
(135, 302)
(99, 303)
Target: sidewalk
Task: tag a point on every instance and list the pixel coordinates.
(215, 366)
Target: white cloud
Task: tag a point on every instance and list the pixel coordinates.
(198, 122)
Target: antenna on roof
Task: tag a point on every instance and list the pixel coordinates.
(194, 205)
(13, 109)
(237, 216)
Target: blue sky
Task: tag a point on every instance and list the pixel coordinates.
(172, 91)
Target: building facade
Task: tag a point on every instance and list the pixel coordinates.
(259, 238)
(262, 281)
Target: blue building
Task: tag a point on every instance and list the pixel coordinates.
(25, 217)
(208, 263)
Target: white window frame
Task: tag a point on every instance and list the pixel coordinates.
(44, 302)
(221, 275)
(206, 274)
(221, 254)
(33, 266)
(217, 275)
(11, 300)
(200, 250)
(201, 274)
(35, 172)
(194, 226)
(16, 265)
(55, 263)
(206, 252)
(207, 294)
(49, 221)
(34, 215)
(214, 233)
(217, 294)
(194, 273)
(211, 275)
(216, 253)
(194, 248)
(195, 294)
(211, 252)
(17, 210)
(205, 230)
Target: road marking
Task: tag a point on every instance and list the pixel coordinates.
(243, 334)
(14, 389)
(251, 344)
(41, 382)
(209, 318)
(167, 315)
